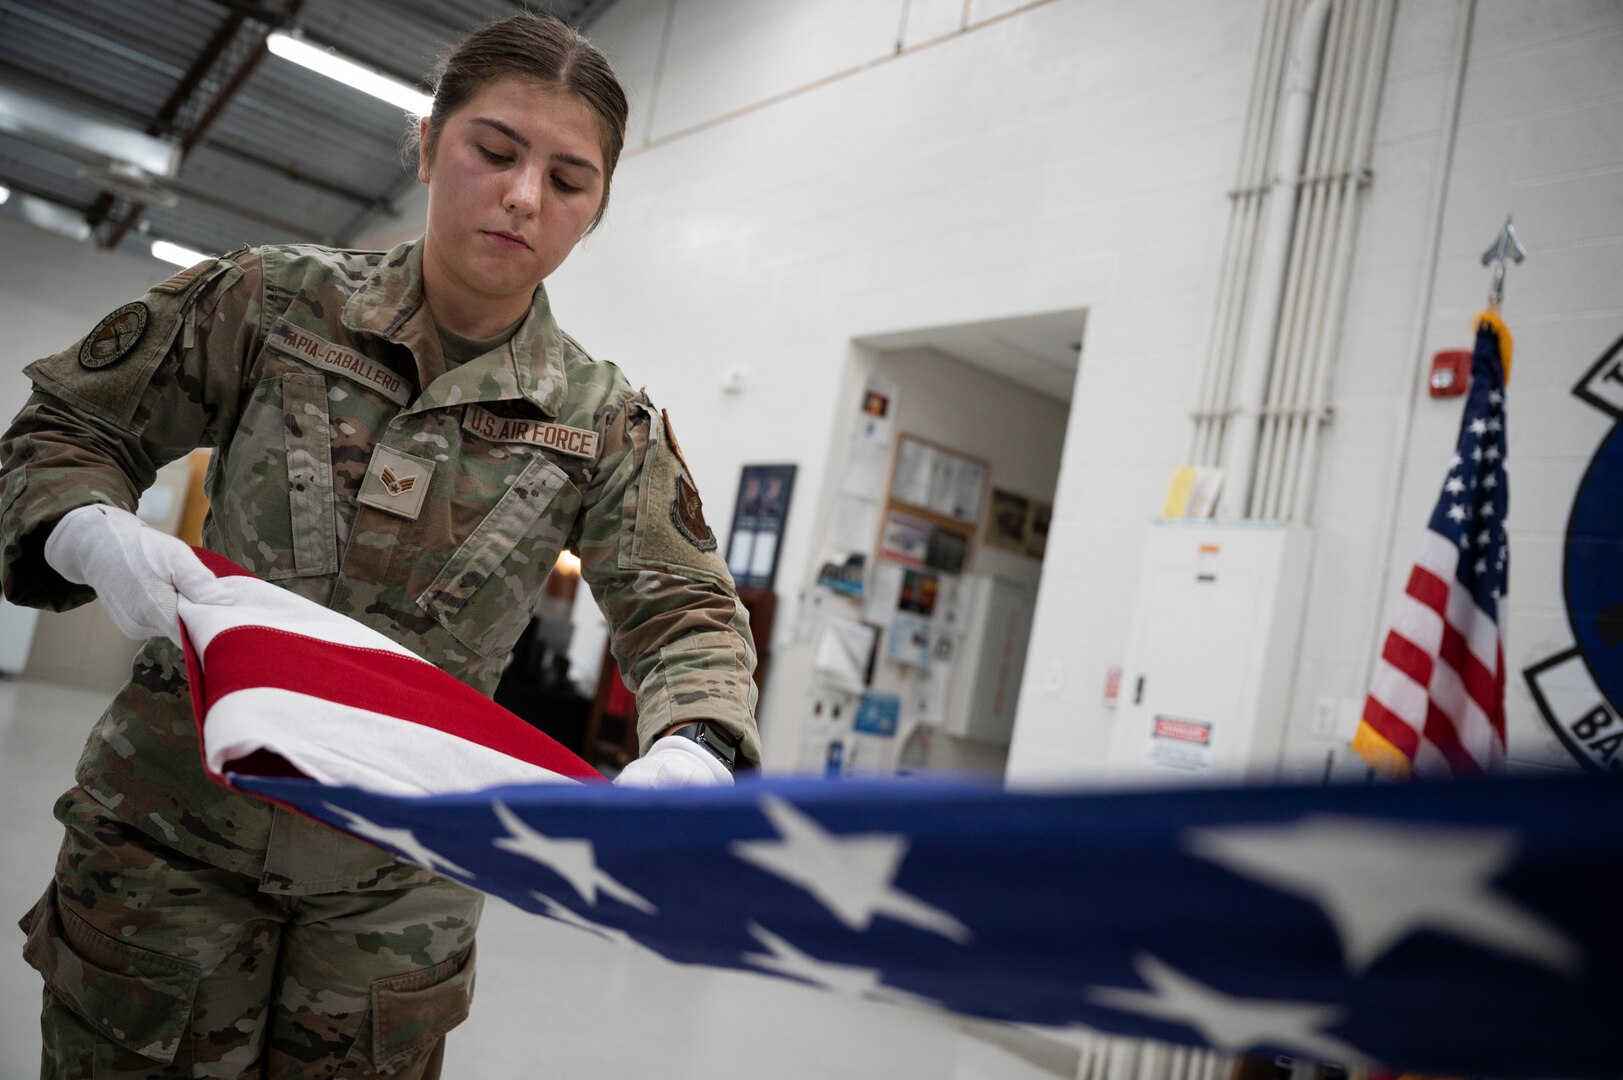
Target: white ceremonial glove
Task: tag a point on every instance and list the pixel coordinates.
(138, 573)
(675, 762)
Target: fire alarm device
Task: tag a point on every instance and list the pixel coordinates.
(1450, 373)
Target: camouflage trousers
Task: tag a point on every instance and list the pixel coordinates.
(159, 965)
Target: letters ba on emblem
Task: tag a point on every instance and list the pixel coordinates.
(396, 483)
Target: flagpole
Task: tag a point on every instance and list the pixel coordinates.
(1439, 198)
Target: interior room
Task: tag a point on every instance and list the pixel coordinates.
(1077, 390)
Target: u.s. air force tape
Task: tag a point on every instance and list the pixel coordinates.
(576, 442)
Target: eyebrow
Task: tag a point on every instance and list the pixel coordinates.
(567, 159)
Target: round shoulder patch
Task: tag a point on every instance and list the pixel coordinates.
(114, 337)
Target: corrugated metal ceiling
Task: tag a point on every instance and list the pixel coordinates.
(273, 152)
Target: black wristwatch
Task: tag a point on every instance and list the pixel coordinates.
(714, 739)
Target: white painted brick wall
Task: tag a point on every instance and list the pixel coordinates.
(1077, 153)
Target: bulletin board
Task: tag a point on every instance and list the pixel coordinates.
(928, 522)
(933, 506)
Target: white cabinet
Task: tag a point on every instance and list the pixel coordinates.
(1211, 651)
(984, 687)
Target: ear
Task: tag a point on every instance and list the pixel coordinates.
(422, 150)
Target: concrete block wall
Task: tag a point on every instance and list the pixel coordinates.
(1069, 154)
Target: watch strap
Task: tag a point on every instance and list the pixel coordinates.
(714, 739)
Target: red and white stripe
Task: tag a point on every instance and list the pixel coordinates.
(282, 684)
(1437, 694)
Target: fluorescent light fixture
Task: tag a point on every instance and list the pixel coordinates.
(343, 69)
(174, 253)
(5, 193)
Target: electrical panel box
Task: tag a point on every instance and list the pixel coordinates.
(1211, 652)
(984, 687)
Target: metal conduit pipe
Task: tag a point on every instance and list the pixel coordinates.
(1332, 194)
(1329, 207)
(1303, 489)
(1205, 396)
(1306, 286)
(1240, 434)
(1235, 268)
(1253, 198)
(1285, 361)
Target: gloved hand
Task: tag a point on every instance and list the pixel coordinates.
(675, 762)
(137, 572)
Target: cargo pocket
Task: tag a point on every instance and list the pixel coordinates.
(486, 591)
(282, 449)
(308, 443)
(413, 1012)
(138, 1000)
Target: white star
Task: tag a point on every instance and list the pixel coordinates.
(1495, 397)
(1490, 481)
(1229, 1023)
(1484, 536)
(1476, 453)
(400, 841)
(1457, 512)
(1465, 541)
(555, 910)
(1478, 426)
(1481, 567)
(572, 860)
(1381, 881)
(843, 979)
(1454, 486)
(1491, 453)
(851, 875)
(1454, 461)
(1487, 509)
(1495, 424)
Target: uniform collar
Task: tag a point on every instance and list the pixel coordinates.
(390, 304)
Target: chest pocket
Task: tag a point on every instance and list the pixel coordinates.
(487, 590)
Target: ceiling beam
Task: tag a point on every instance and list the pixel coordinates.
(293, 172)
(37, 120)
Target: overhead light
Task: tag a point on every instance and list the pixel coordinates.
(174, 253)
(5, 193)
(343, 69)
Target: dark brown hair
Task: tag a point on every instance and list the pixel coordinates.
(543, 50)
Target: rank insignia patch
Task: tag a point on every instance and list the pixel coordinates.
(114, 337)
(396, 483)
(687, 513)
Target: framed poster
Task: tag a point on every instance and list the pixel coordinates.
(760, 512)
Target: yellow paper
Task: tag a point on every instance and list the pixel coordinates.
(1183, 482)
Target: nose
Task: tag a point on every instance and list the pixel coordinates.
(523, 194)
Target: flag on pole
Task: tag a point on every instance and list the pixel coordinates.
(1436, 704)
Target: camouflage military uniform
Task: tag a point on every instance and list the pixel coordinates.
(432, 515)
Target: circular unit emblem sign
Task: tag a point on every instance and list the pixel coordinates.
(1579, 690)
(114, 337)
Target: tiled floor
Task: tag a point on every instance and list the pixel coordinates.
(552, 1002)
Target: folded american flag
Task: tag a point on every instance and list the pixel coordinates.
(1458, 929)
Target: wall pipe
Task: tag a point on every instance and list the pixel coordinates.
(1315, 292)
(1299, 496)
(1256, 139)
(1240, 435)
(1286, 361)
(1254, 198)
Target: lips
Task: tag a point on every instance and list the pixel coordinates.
(507, 239)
